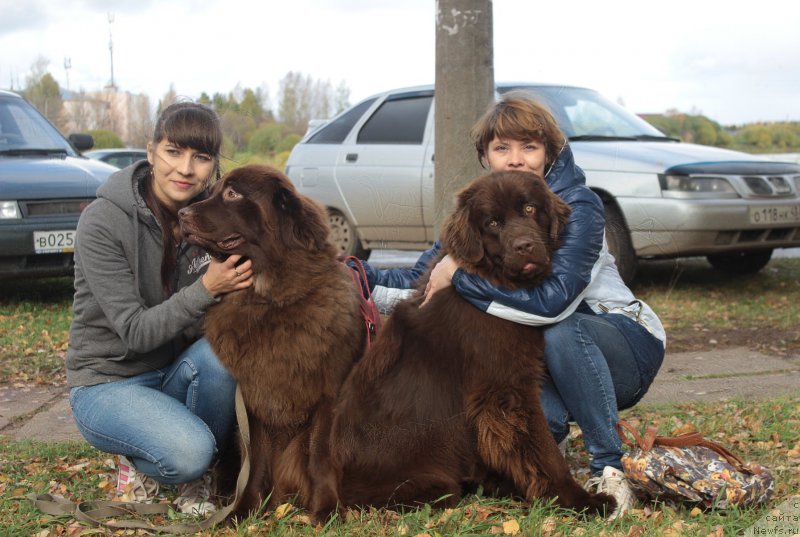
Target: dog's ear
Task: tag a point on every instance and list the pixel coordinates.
(303, 224)
(459, 236)
(559, 212)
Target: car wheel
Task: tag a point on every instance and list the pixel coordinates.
(344, 236)
(619, 243)
(740, 262)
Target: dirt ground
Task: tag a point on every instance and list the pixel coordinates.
(768, 340)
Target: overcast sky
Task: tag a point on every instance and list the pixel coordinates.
(732, 61)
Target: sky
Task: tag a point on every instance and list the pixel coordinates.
(733, 61)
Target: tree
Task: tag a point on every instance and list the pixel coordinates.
(141, 123)
(301, 98)
(266, 138)
(169, 97)
(237, 127)
(43, 92)
(252, 105)
(104, 139)
(757, 136)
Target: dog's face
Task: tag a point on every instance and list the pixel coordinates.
(505, 228)
(255, 211)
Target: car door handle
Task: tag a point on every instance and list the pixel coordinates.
(351, 157)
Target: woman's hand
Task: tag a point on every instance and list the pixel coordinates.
(441, 277)
(224, 276)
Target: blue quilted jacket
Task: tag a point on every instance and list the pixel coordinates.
(559, 295)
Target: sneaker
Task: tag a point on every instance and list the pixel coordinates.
(194, 496)
(133, 486)
(613, 482)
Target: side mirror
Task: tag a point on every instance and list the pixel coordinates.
(82, 142)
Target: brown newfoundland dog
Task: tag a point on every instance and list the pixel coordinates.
(291, 338)
(448, 396)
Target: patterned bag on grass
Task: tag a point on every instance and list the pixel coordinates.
(692, 469)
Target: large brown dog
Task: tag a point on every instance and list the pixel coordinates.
(289, 340)
(449, 395)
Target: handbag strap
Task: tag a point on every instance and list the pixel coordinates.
(369, 311)
(651, 439)
(94, 513)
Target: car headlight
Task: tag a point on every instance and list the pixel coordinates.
(696, 186)
(9, 210)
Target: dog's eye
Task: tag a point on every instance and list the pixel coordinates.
(231, 194)
(492, 223)
(529, 209)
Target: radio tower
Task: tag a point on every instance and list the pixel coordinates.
(67, 67)
(111, 85)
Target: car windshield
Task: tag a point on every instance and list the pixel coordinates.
(584, 114)
(23, 129)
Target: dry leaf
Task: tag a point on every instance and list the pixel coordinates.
(303, 519)
(696, 512)
(548, 525)
(282, 510)
(684, 429)
(635, 531)
(511, 527)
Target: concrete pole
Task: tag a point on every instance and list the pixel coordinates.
(464, 90)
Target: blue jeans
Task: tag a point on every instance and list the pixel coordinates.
(596, 365)
(169, 423)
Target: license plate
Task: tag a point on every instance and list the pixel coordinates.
(49, 242)
(775, 214)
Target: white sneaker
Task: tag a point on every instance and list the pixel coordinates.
(133, 486)
(194, 496)
(613, 482)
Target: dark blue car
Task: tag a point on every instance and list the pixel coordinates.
(44, 185)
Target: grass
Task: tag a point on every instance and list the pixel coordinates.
(696, 304)
(691, 298)
(689, 292)
(765, 431)
(34, 329)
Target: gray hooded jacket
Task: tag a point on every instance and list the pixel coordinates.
(122, 325)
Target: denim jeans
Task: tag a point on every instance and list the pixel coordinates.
(596, 365)
(169, 423)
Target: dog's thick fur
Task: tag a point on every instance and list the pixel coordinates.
(448, 396)
(291, 338)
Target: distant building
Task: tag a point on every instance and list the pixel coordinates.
(124, 113)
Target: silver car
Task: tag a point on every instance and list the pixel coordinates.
(372, 167)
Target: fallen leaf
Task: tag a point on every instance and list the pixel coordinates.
(282, 510)
(511, 527)
(684, 429)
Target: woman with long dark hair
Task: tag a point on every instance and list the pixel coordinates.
(143, 382)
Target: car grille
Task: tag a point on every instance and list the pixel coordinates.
(40, 208)
(758, 236)
(771, 186)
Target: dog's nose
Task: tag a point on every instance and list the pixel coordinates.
(184, 212)
(523, 245)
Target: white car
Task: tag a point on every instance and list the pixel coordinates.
(372, 167)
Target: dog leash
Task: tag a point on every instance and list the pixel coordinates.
(93, 513)
(370, 313)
